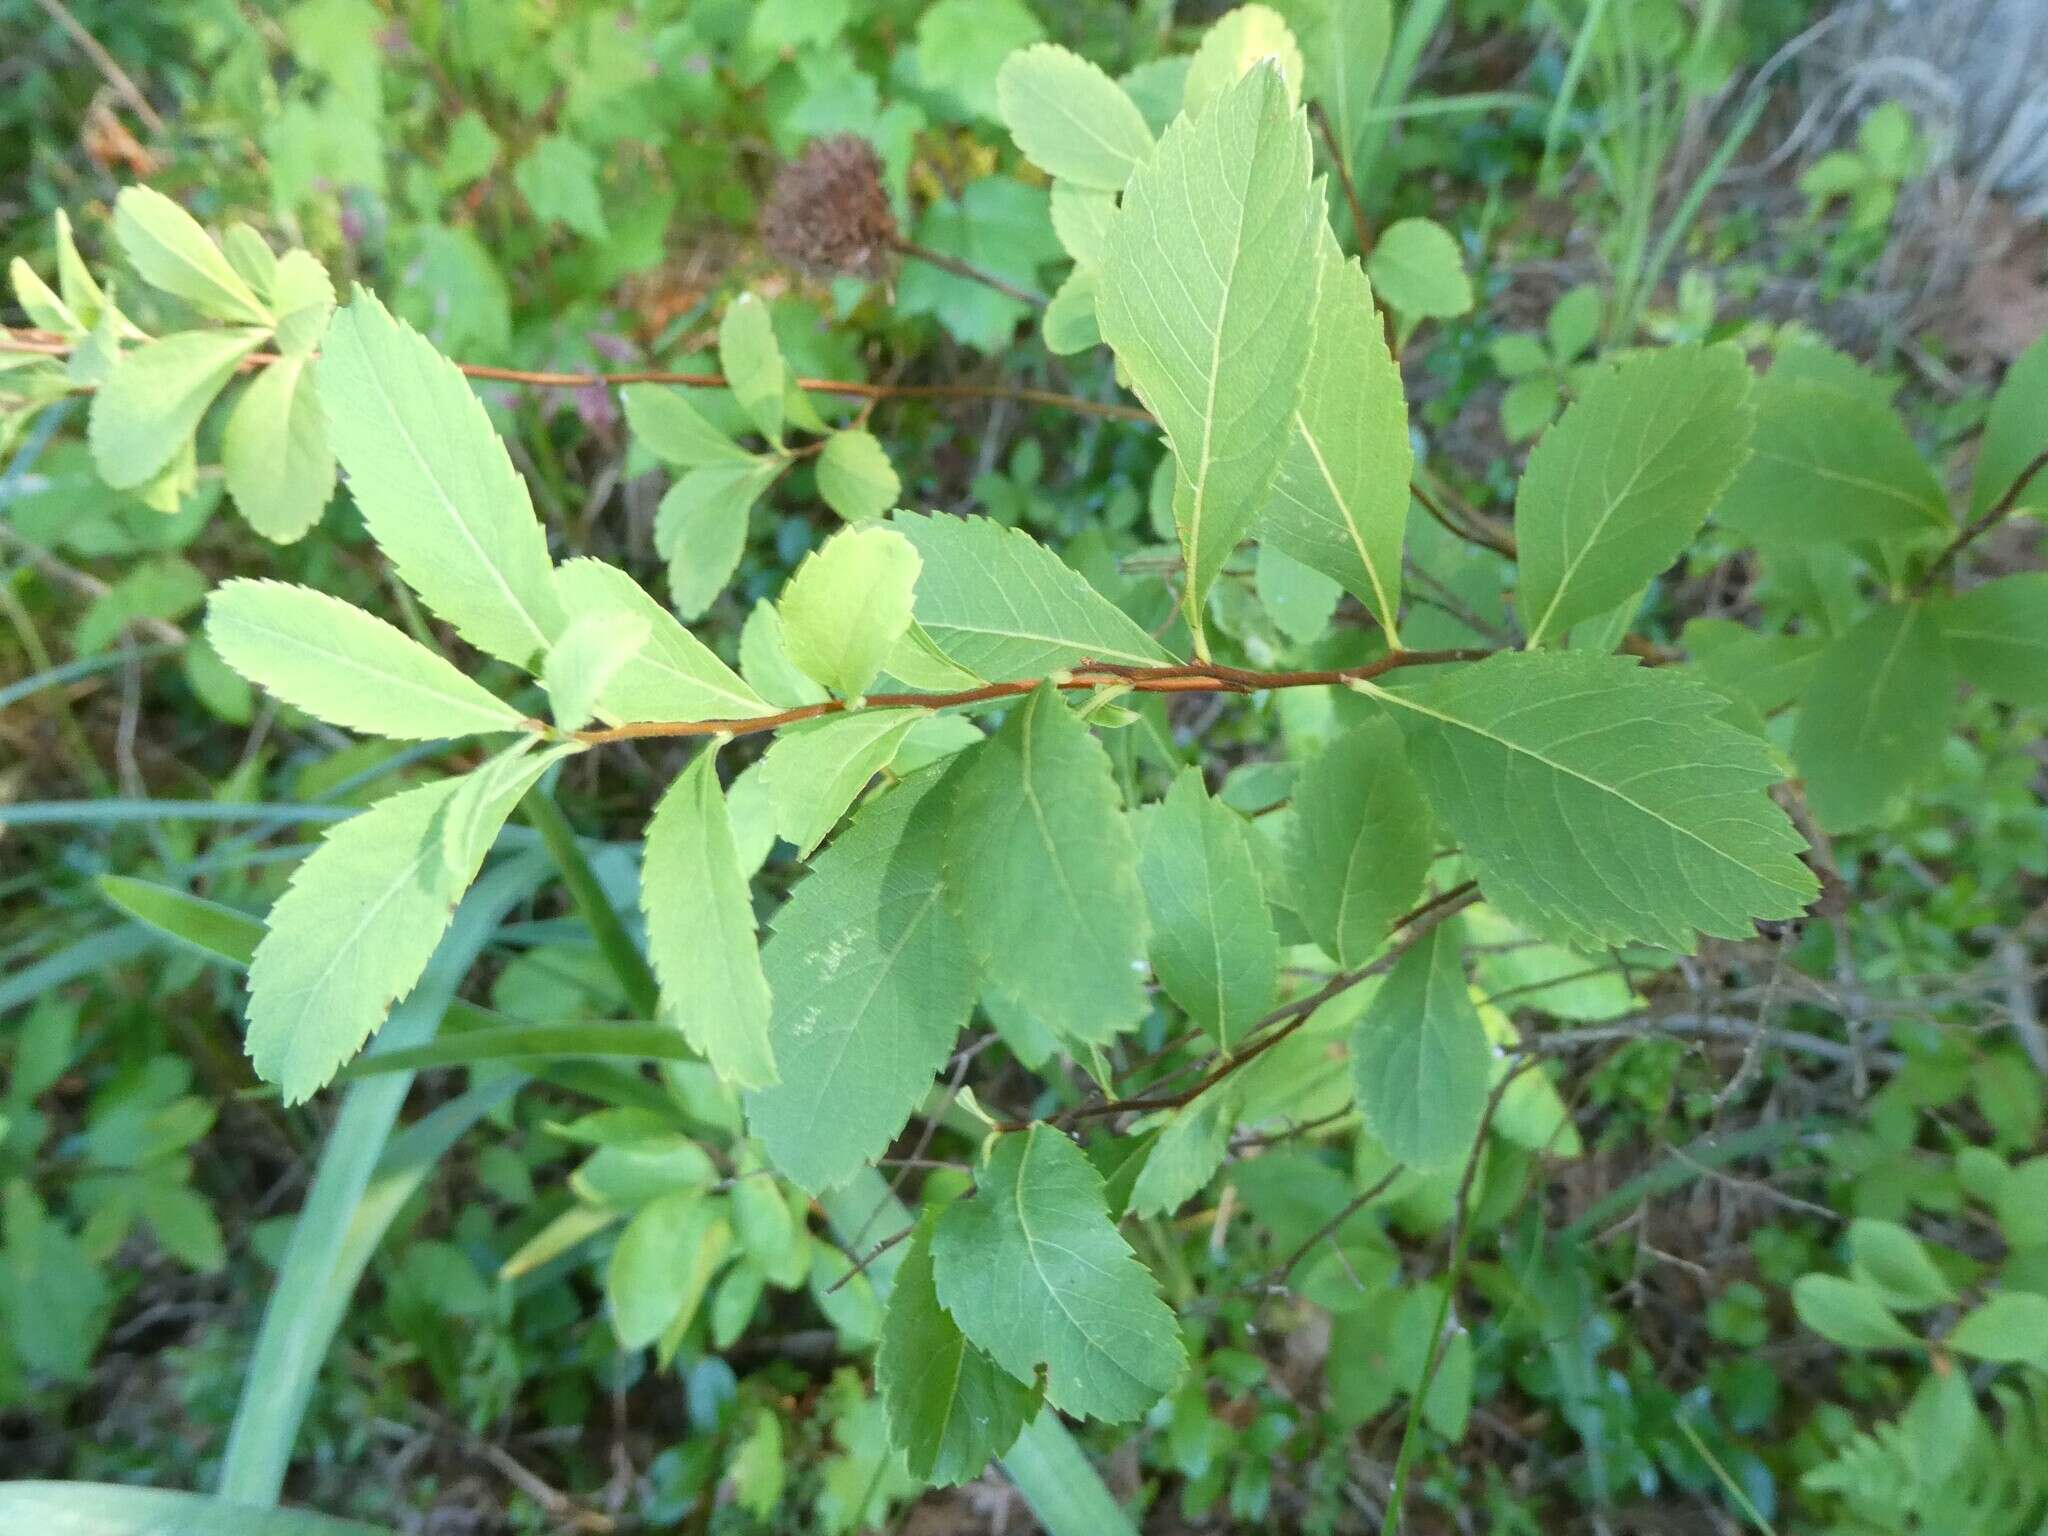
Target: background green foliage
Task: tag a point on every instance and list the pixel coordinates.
(1597, 1204)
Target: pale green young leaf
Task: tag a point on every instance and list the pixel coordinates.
(1069, 324)
(765, 663)
(1212, 939)
(951, 1408)
(1875, 715)
(670, 427)
(700, 929)
(434, 483)
(345, 666)
(1071, 119)
(847, 606)
(673, 675)
(1827, 466)
(661, 1266)
(701, 526)
(1206, 295)
(1362, 842)
(353, 932)
(275, 455)
(1602, 803)
(589, 653)
(45, 310)
(1848, 1313)
(1185, 1155)
(1005, 607)
(752, 360)
(1417, 268)
(2015, 434)
(1041, 868)
(917, 662)
(1036, 1274)
(1622, 482)
(303, 295)
(1339, 504)
(1081, 218)
(81, 292)
(151, 404)
(1237, 43)
(855, 476)
(1420, 1060)
(166, 245)
(1998, 634)
(252, 259)
(814, 771)
(871, 984)
(1299, 599)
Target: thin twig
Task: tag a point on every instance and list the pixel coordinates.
(968, 270)
(1276, 1278)
(1994, 514)
(109, 67)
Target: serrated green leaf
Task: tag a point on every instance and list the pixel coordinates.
(434, 483)
(275, 455)
(700, 930)
(855, 476)
(1339, 504)
(1005, 607)
(146, 411)
(1875, 715)
(765, 663)
(1041, 869)
(1362, 842)
(588, 654)
(1828, 467)
(674, 675)
(701, 527)
(166, 245)
(1420, 1060)
(670, 427)
(303, 295)
(1036, 1274)
(1847, 1313)
(352, 933)
(813, 772)
(345, 666)
(1417, 268)
(847, 606)
(1070, 118)
(476, 813)
(2015, 434)
(1619, 486)
(951, 1409)
(1238, 42)
(1185, 1155)
(1600, 802)
(871, 985)
(1206, 296)
(752, 360)
(1998, 634)
(1212, 939)
(1887, 1256)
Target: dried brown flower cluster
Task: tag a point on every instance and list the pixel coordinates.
(827, 214)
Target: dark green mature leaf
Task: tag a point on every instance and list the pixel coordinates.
(1041, 869)
(1005, 607)
(1186, 1154)
(2009, 1326)
(1617, 489)
(345, 666)
(662, 1265)
(1071, 119)
(1829, 466)
(700, 929)
(1363, 839)
(1207, 293)
(2015, 434)
(1600, 802)
(1035, 1273)
(1340, 502)
(1998, 634)
(951, 1408)
(1887, 1256)
(1212, 940)
(1875, 715)
(434, 483)
(871, 984)
(1420, 1060)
